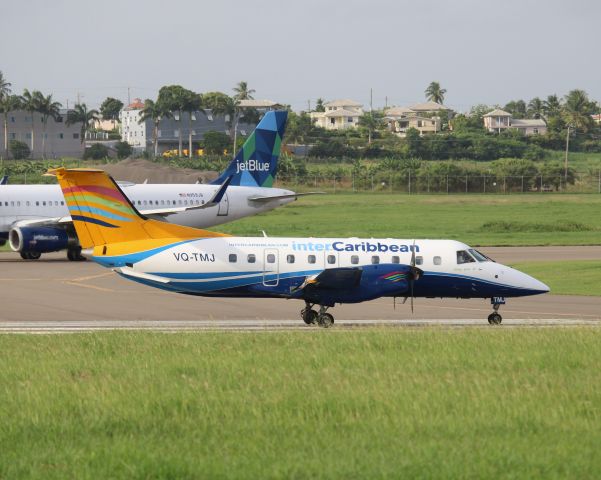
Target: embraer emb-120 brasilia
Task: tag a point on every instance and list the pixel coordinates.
(35, 220)
(320, 271)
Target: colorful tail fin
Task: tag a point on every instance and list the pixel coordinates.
(103, 215)
(256, 163)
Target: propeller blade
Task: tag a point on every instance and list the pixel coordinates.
(412, 281)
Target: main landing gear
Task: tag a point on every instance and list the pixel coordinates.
(311, 317)
(74, 254)
(495, 318)
(30, 255)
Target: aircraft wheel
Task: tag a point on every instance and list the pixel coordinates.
(495, 319)
(30, 255)
(325, 320)
(75, 255)
(309, 316)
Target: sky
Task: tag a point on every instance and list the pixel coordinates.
(293, 52)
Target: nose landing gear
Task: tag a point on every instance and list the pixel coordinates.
(495, 318)
(311, 317)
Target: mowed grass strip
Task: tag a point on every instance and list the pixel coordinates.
(581, 277)
(382, 403)
(530, 219)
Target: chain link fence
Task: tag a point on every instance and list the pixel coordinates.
(408, 183)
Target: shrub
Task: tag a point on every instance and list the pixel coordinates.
(19, 150)
(96, 152)
(216, 142)
(123, 149)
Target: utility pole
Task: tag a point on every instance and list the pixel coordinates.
(566, 160)
(128, 96)
(309, 106)
(371, 99)
(78, 99)
(385, 102)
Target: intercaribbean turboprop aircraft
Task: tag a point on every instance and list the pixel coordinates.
(319, 271)
(35, 219)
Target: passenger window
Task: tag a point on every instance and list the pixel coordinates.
(419, 260)
(375, 260)
(464, 257)
(354, 259)
(311, 258)
(18, 204)
(37, 204)
(396, 259)
(145, 202)
(27, 203)
(56, 203)
(270, 258)
(62, 202)
(251, 258)
(331, 259)
(437, 260)
(290, 258)
(233, 258)
(43, 204)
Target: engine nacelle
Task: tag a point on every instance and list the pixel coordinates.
(40, 239)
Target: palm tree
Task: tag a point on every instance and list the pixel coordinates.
(435, 93)
(578, 109)
(81, 114)
(154, 111)
(8, 103)
(371, 121)
(191, 102)
(536, 108)
(4, 87)
(226, 106)
(552, 106)
(242, 92)
(31, 103)
(173, 97)
(48, 108)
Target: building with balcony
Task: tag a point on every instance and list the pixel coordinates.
(499, 120)
(339, 115)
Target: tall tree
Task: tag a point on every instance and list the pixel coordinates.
(552, 106)
(81, 114)
(222, 104)
(173, 98)
(49, 109)
(241, 92)
(5, 85)
(110, 109)
(30, 102)
(578, 109)
(371, 121)
(191, 103)
(536, 108)
(517, 108)
(154, 111)
(8, 103)
(435, 93)
(319, 105)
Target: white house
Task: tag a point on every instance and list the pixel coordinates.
(339, 115)
(499, 120)
(421, 116)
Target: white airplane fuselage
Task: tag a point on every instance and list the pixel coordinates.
(281, 267)
(23, 203)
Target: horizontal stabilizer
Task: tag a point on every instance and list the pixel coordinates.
(282, 197)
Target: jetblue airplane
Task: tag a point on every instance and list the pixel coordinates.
(318, 271)
(35, 218)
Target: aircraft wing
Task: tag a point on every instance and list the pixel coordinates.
(335, 278)
(42, 222)
(281, 197)
(172, 210)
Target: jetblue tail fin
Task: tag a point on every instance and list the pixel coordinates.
(4, 180)
(256, 163)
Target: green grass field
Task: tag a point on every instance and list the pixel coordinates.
(382, 403)
(531, 219)
(567, 277)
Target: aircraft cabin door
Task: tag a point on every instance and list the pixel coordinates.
(271, 267)
(224, 206)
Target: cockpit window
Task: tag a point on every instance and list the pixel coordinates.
(464, 257)
(479, 256)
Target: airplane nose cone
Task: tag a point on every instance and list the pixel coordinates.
(526, 282)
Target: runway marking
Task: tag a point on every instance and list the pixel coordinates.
(45, 327)
(85, 285)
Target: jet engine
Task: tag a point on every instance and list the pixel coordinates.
(31, 242)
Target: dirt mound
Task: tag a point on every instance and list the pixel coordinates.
(138, 170)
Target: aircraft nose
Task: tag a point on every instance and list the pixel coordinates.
(524, 281)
